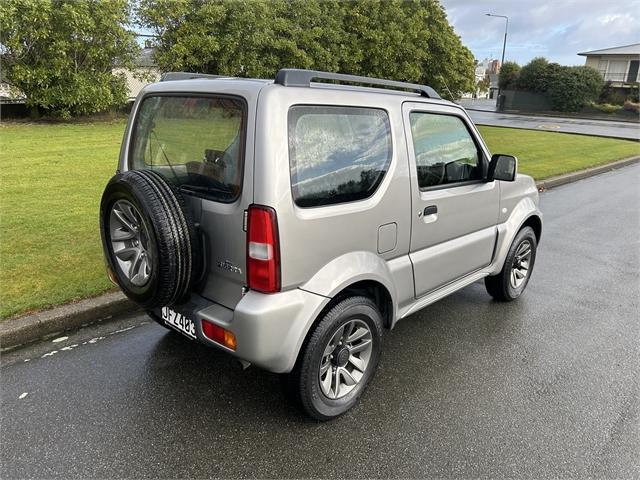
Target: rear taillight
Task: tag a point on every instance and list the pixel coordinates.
(263, 250)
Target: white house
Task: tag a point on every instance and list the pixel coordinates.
(618, 65)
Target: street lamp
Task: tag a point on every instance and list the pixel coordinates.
(504, 45)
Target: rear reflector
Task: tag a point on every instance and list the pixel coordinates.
(219, 335)
(263, 250)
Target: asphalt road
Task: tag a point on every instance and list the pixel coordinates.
(604, 128)
(547, 386)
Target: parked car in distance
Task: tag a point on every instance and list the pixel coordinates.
(291, 223)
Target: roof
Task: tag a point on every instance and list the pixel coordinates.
(633, 49)
(250, 87)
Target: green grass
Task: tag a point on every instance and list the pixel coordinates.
(52, 177)
(547, 154)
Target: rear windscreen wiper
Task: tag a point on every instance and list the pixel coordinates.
(206, 189)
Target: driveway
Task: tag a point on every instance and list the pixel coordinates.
(604, 128)
(547, 386)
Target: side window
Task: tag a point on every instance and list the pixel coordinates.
(337, 154)
(445, 151)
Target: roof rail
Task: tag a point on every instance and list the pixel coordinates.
(293, 77)
(170, 76)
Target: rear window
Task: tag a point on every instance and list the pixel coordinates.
(194, 142)
(337, 154)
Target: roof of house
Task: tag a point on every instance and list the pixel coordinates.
(633, 49)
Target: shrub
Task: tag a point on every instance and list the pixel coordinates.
(631, 106)
(509, 73)
(634, 93)
(606, 107)
(611, 95)
(571, 88)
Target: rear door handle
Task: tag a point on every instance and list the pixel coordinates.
(430, 210)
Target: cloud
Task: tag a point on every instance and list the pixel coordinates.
(555, 29)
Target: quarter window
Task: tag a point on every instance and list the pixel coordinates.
(337, 154)
(444, 150)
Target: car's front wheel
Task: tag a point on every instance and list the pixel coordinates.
(339, 359)
(518, 266)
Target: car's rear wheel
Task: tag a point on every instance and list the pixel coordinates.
(148, 238)
(518, 266)
(338, 360)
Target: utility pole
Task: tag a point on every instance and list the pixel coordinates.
(504, 46)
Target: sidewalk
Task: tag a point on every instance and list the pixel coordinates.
(482, 104)
(489, 105)
(599, 128)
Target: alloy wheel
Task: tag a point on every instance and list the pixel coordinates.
(345, 359)
(129, 242)
(521, 264)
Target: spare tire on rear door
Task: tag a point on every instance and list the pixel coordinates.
(148, 238)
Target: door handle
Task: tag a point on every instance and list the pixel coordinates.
(429, 214)
(430, 210)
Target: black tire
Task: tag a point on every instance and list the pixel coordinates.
(499, 286)
(172, 249)
(303, 384)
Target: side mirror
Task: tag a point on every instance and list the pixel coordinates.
(502, 167)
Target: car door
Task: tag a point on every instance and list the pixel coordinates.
(454, 209)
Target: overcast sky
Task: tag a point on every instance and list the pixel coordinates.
(555, 29)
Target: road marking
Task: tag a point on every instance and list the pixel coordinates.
(92, 341)
(549, 126)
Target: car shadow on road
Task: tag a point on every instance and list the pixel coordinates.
(418, 356)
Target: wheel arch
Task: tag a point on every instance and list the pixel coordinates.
(360, 273)
(371, 289)
(535, 222)
(525, 214)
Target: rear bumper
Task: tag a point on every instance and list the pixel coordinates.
(269, 329)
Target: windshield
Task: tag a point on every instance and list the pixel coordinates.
(194, 142)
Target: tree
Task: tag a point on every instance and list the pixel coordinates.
(534, 76)
(409, 41)
(60, 53)
(484, 84)
(509, 73)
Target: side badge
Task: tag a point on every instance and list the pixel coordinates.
(227, 265)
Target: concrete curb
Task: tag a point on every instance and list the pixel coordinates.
(21, 330)
(579, 175)
(29, 328)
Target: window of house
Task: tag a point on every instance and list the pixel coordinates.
(602, 67)
(616, 71)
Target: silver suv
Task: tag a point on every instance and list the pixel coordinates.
(292, 222)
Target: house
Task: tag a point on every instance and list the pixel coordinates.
(143, 73)
(618, 65)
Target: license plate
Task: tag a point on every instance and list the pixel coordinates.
(179, 322)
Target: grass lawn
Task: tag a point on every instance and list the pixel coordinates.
(52, 177)
(547, 154)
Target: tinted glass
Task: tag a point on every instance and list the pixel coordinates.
(195, 142)
(337, 154)
(445, 151)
